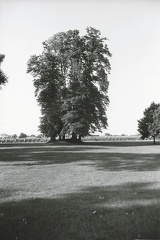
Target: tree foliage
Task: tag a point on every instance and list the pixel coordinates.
(71, 83)
(22, 135)
(3, 78)
(154, 127)
(149, 125)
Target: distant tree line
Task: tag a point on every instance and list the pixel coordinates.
(22, 138)
(71, 83)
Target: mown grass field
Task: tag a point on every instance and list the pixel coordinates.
(90, 191)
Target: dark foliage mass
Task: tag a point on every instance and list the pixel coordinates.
(22, 135)
(3, 78)
(71, 83)
(149, 125)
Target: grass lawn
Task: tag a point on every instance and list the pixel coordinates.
(92, 191)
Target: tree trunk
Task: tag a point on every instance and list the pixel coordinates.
(74, 136)
(63, 137)
(53, 138)
(80, 138)
(154, 140)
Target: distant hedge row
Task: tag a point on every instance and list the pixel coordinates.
(88, 138)
(24, 140)
(112, 138)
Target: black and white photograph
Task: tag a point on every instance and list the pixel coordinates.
(80, 120)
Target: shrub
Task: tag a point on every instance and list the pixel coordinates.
(22, 135)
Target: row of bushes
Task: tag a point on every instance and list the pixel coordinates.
(24, 140)
(112, 138)
(41, 139)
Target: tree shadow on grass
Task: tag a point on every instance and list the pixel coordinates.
(122, 143)
(83, 144)
(127, 211)
(5, 193)
(83, 155)
(103, 161)
(126, 162)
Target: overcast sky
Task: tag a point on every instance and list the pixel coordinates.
(133, 31)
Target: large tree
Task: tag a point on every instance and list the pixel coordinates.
(71, 81)
(3, 78)
(149, 125)
(48, 90)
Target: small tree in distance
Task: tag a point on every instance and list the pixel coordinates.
(14, 136)
(149, 125)
(22, 135)
(154, 127)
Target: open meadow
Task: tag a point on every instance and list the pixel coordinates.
(92, 191)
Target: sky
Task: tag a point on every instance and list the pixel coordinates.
(133, 33)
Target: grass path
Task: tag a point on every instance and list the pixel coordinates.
(79, 192)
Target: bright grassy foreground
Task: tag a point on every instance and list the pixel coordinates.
(90, 191)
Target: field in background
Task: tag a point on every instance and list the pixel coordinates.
(11, 139)
(99, 190)
(93, 138)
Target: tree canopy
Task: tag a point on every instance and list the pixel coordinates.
(71, 83)
(149, 125)
(3, 78)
